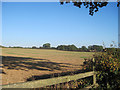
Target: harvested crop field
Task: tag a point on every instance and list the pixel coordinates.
(20, 64)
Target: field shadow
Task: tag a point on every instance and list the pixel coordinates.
(46, 76)
(24, 63)
(2, 71)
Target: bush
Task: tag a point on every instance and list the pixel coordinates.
(108, 67)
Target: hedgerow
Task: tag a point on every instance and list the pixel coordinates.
(107, 64)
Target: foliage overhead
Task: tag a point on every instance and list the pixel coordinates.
(93, 5)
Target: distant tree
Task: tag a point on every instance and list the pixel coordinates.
(46, 45)
(53, 47)
(2, 46)
(61, 47)
(67, 47)
(90, 48)
(17, 47)
(84, 49)
(80, 49)
(9, 46)
(72, 48)
(98, 48)
(95, 48)
(40, 47)
(34, 47)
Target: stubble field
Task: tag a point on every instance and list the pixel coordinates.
(19, 64)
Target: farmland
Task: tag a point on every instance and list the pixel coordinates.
(20, 64)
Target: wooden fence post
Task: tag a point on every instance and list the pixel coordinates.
(94, 75)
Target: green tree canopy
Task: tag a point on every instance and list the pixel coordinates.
(67, 47)
(84, 49)
(46, 45)
(34, 47)
(96, 48)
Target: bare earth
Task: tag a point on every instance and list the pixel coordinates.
(20, 64)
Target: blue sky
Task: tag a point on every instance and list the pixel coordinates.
(33, 24)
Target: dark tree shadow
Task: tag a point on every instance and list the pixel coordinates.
(23, 63)
(1, 71)
(46, 76)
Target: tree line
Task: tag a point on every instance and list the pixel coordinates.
(91, 48)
